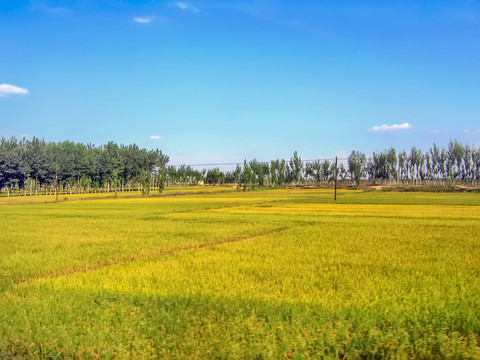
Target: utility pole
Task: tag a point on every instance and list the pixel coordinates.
(336, 175)
(56, 184)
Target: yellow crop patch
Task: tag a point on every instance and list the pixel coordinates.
(264, 274)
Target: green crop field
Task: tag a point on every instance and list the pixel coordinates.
(241, 275)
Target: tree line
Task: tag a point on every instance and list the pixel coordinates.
(36, 166)
(455, 164)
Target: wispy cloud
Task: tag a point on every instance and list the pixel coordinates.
(390, 128)
(185, 6)
(155, 137)
(143, 19)
(39, 5)
(7, 90)
(472, 131)
(256, 9)
(439, 132)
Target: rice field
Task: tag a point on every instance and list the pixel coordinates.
(241, 275)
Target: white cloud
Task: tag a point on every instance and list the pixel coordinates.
(155, 137)
(184, 6)
(7, 89)
(388, 128)
(143, 19)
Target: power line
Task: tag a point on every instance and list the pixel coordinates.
(261, 162)
(332, 159)
(219, 164)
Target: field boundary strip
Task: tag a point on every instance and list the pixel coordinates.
(247, 204)
(151, 255)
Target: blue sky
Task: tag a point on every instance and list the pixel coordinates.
(220, 81)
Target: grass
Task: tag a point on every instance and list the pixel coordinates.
(264, 274)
